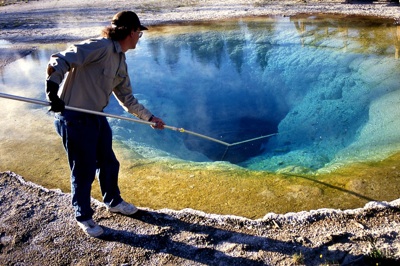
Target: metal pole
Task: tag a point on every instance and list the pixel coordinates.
(249, 140)
(45, 103)
(182, 130)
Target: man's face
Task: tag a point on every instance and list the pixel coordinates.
(135, 36)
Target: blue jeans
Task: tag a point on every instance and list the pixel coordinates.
(87, 140)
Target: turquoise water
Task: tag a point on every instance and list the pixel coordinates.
(327, 88)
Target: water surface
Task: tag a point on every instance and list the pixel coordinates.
(321, 84)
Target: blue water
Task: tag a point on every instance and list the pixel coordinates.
(328, 89)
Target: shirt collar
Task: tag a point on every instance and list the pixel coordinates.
(117, 46)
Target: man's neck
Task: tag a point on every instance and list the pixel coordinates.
(124, 45)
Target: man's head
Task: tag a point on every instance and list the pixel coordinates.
(124, 25)
(128, 20)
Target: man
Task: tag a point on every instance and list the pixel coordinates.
(96, 68)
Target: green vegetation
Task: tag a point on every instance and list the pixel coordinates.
(378, 256)
(298, 259)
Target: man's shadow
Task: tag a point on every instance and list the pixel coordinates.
(214, 236)
(162, 242)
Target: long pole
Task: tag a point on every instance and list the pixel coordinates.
(44, 103)
(178, 129)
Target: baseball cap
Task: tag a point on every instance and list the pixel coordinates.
(127, 19)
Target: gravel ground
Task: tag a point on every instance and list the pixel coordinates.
(37, 225)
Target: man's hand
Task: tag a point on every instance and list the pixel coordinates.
(56, 104)
(158, 121)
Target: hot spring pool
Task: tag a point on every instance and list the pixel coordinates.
(325, 90)
(328, 89)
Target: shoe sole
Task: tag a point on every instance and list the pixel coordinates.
(110, 210)
(97, 235)
(91, 235)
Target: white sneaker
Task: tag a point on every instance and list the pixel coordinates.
(124, 208)
(91, 228)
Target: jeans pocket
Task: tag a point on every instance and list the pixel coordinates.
(74, 119)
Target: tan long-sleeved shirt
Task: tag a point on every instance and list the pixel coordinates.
(96, 68)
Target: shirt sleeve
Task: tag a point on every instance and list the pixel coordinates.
(123, 93)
